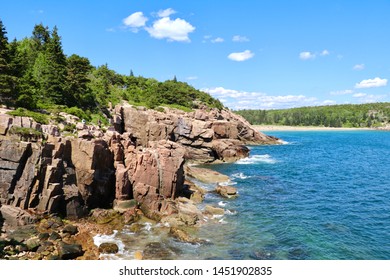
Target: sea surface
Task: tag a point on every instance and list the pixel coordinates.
(321, 195)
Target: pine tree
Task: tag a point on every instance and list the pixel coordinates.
(6, 85)
(54, 61)
(78, 69)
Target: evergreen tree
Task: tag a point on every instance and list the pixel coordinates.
(54, 70)
(78, 69)
(40, 36)
(6, 80)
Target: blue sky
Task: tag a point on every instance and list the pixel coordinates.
(253, 54)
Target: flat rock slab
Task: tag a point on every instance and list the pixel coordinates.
(206, 175)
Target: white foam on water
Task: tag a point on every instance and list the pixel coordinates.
(148, 226)
(282, 142)
(230, 212)
(103, 238)
(227, 183)
(222, 203)
(257, 159)
(217, 216)
(240, 176)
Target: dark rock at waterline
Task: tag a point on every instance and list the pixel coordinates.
(236, 254)
(158, 251)
(262, 255)
(183, 236)
(298, 254)
(108, 248)
(71, 229)
(69, 251)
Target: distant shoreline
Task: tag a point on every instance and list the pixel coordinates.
(304, 128)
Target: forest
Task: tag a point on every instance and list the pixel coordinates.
(346, 115)
(36, 75)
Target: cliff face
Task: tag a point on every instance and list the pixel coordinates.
(206, 135)
(140, 157)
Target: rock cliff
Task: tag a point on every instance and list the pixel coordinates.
(140, 157)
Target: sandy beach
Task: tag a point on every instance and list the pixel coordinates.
(303, 128)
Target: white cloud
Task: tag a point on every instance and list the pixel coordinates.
(172, 30)
(241, 56)
(359, 67)
(359, 95)
(217, 40)
(135, 21)
(236, 100)
(166, 12)
(369, 98)
(328, 102)
(324, 53)
(306, 55)
(238, 38)
(192, 78)
(372, 83)
(341, 92)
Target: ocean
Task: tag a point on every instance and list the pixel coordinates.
(322, 195)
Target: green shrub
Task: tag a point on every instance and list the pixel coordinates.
(38, 117)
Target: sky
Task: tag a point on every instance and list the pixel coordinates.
(250, 54)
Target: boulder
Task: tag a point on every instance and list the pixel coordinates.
(214, 210)
(14, 216)
(68, 251)
(71, 229)
(108, 248)
(226, 191)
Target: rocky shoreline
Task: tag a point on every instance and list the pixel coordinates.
(100, 179)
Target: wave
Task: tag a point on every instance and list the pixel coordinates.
(222, 203)
(103, 238)
(256, 159)
(282, 142)
(240, 176)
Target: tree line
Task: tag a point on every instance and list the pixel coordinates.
(347, 115)
(36, 74)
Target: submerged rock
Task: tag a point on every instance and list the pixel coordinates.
(108, 248)
(158, 251)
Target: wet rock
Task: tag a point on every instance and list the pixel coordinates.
(183, 236)
(51, 223)
(214, 210)
(108, 248)
(71, 229)
(226, 191)
(21, 234)
(158, 251)
(43, 236)
(262, 255)
(54, 236)
(33, 243)
(69, 251)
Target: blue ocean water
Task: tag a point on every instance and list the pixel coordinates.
(321, 196)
